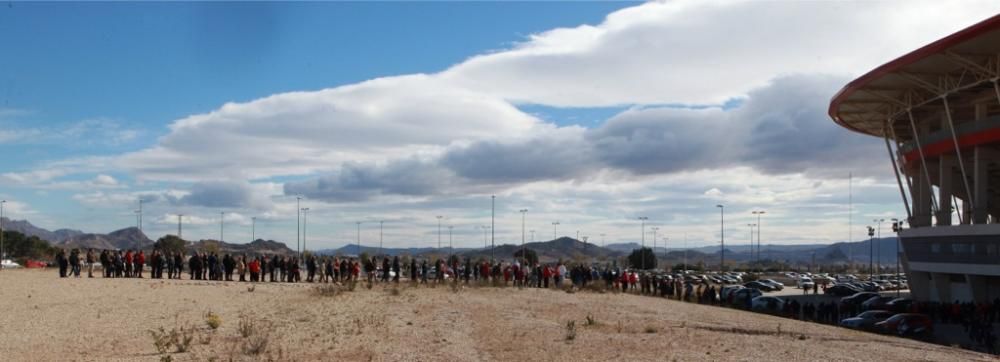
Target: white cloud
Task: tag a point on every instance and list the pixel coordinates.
(707, 52)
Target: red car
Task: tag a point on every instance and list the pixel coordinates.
(906, 324)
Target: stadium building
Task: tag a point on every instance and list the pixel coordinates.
(938, 110)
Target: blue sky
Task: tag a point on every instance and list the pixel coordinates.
(590, 113)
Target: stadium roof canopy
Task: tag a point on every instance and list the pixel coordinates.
(961, 68)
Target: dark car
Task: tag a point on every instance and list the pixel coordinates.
(841, 290)
(906, 324)
(899, 305)
(876, 302)
(866, 321)
(857, 298)
(759, 286)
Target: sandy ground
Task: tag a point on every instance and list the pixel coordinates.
(44, 318)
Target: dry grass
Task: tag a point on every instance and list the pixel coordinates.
(284, 322)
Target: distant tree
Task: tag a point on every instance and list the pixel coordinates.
(210, 246)
(642, 257)
(170, 244)
(19, 247)
(530, 255)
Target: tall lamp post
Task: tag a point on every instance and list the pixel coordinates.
(359, 239)
(140, 213)
(305, 220)
(486, 237)
(642, 220)
(871, 253)
(451, 247)
(655, 229)
(298, 224)
(222, 226)
(493, 229)
(751, 242)
(439, 232)
(380, 250)
(722, 237)
(897, 226)
(2, 255)
(758, 213)
(524, 212)
(179, 228)
(532, 236)
(555, 225)
(878, 251)
(253, 228)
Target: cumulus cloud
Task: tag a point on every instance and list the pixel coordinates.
(707, 52)
(779, 129)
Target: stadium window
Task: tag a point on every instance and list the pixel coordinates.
(936, 247)
(960, 248)
(991, 249)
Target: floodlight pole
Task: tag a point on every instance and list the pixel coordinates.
(253, 228)
(305, 220)
(642, 261)
(523, 213)
(722, 237)
(2, 202)
(222, 226)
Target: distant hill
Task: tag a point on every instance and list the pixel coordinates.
(26, 228)
(259, 246)
(124, 239)
(352, 249)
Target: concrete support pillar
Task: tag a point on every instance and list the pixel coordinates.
(980, 176)
(921, 196)
(942, 285)
(945, 176)
(979, 286)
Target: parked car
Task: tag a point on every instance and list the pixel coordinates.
(740, 295)
(899, 305)
(767, 304)
(876, 302)
(804, 283)
(866, 321)
(9, 264)
(841, 290)
(771, 282)
(727, 290)
(906, 324)
(857, 298)
(760, 286)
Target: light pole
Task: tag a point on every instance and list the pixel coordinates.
(179, 228)
(305, 220)
(253, 228)
(493, 229)
(655, 229)
(722, 237)
(380, 250)
(532, 236)
(298, 224)
(359, 239)
(758, 213)
(871, 253)
(602, 241)
(486, 239)
(2, 255)
(524, 212)
(140, 213)
(439, 232)
(451, 247)
(751, 241)
(555, 225)
(642, 220)
(222, 226)
(897, 226)
(136, 212)
(878, 251)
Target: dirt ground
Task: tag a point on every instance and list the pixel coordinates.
(45, 318)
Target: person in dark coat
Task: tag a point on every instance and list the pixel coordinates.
(62, 262)
(395, 268)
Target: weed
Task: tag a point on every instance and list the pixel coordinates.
(167, 358)
(247, 326)
(182, 338)
(161, 340)
(327, 290)
(591, 321)
(257, 344)
(205, 338)
(570, 330)
(213, 320)
(620, 327)
(651, 329)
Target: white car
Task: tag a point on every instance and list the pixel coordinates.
(805, 283)
(9, 264)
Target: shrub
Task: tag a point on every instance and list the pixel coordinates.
(257, 344)
(570, 330)
(161, 340)
(590, 320)
(213, 320)
(247, 326)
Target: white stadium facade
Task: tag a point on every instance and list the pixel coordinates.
(938, 110)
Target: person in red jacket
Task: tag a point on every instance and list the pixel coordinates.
(128, 264)
(546, 275)
(254, 269)
(140, 260)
